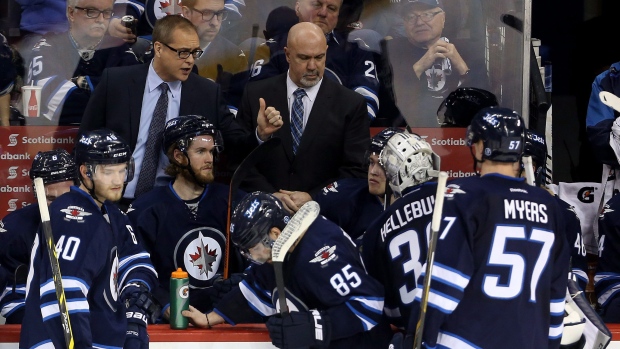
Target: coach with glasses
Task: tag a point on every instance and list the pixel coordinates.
(136, 102)
(427, 65)
(68, 66)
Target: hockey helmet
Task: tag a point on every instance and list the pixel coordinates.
(459, 108)
(183, 129)
(536, 147)
(501, 130)
(53, 166)
(104, 147)
(378, 142)
(253, 218)
(408, 160)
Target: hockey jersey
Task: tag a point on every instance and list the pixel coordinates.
(499, 278)
(98, 255)
(55, 60)
(17, 232)
(191, 237)
(394, 249)
(323, 272)
(578, 262)
(345, 63)
(607, 278)
(348, 203)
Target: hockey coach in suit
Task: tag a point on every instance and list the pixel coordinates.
(326, 129)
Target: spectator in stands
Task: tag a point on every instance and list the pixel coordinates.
(68, 66)
(427, 66)
(325, 133)
(221, 59)
(7, 80)
(346, 63)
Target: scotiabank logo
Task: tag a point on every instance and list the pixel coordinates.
(12, 205)
(12, 172)
(13, 139)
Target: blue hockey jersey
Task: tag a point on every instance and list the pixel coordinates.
(501, 265)
(177, 237)
(323, 272)
(394, 249)
(607, 278)
(348, 203)
(578, 262)
(98, 255)
(345, 63)
(17, 232)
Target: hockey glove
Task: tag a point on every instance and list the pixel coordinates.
(137, 337)
(140, 304)
(399, 341)
(300, 329)
(221, 287)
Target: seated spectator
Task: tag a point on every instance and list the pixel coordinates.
(7, 80)
(221, 59)
(427, 66)
(68, 66)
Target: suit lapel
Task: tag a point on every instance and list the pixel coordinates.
(136, 94)
(280, 102)
(317, 114)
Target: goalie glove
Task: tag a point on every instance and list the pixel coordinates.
(300, 329)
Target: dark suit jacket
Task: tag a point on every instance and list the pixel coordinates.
(116, 104)
(333, 144)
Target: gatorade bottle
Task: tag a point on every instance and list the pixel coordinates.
(179, 299)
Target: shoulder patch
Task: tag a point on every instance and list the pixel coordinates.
(75, 213)
(333, 187)
(324, 255)
(605, 209)
(453, 189)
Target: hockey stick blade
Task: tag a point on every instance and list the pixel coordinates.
(610, 100)
(430, 257)
(295, 228)
(529, 170)
(238, 176)
(51, 251)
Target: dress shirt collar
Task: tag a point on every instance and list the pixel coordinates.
(310, 91)
(153, 81)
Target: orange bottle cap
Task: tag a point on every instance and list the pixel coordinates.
(179, 274)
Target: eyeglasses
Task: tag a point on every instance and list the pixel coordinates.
(184, 54)
(207, 15)
(94, 13)
(424, 16)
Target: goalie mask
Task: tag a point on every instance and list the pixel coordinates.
(459, 108)
(501, 131)
(536, 147)
(408, 160)
(252, 221)
(53, 166)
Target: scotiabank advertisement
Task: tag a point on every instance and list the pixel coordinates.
(19, 145)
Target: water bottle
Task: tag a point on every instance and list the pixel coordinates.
(179, 299)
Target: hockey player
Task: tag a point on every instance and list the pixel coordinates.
(354, 203)
(333, 302)
(499, 277)
(68, 66)
(345, 62)
(106, 275)
(18, 229)
(394, 246)
(183, 224)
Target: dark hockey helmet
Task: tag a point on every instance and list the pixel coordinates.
(459, 108)
(53, 166)
(182, 129)
(502, 132)
(254, 217)
(378, 142)
(103, 146)
(536, 147)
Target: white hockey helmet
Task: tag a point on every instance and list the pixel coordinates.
(408, 160)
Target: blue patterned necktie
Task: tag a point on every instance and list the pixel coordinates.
(297, 118)
(146, 180)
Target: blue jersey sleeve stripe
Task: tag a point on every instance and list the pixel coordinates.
(556, 306)
(555, 332)
(449, 276)
(368, 93)
(68, 283)
(122, 263)
(608, 294)
(451, 340)
(148, 267)
(101, 346)
(46, 344)
(50, 310)
(440, 301)
(374, 305)
(255, 301)
(11, 307)
(366, 322)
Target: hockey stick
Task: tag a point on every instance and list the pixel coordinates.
(241, 172)
(51, 250)
(610, 100)
(529, 170)
(430, 257)
(295, 228)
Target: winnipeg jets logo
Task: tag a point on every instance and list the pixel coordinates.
(202, 255)
(324, 255)
(13, 139)
(453, 189)
(606, 209)
(75, 213)
(332, 187)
